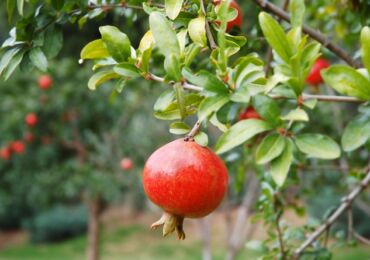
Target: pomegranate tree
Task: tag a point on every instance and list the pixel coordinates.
(185, 180)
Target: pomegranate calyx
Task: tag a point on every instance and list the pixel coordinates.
(170, 223)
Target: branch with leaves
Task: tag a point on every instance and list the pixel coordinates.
(343, 207)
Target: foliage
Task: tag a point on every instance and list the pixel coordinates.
(58, 223)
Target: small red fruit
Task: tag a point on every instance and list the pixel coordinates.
(238, 20)
(314, 77)
(28, 137)
(249, 113)
(45, 82)
(126, 164)
(17, 147)
(5, 153)
(185, 180)
(31, 119)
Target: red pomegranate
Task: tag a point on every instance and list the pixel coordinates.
(17, 147)
(249, 113)
(238, 20)
(28, 137)
(185, 180)
(31, 119)
(45, 82)
(126, 164)
(314, 77)
(5, 153)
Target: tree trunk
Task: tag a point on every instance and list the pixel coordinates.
(205, 233)
(243, 229)
(95, 210)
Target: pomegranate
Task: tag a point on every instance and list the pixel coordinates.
(31, 119)
(126, 164)
(45, 82)
(28, 137)
(249, 113)
(238, 20)
(185, 180)
(5, 153)
(17, 147)
(314, 77)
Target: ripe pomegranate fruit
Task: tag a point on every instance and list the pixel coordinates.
(314, 77)
(17, 147)
(249, 113)
(45, 82)
(126, 164)
(185, 180)
(28, 137)
(238, 20)
(31, 119)
(5, 153)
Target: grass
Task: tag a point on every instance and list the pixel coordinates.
(136, 242)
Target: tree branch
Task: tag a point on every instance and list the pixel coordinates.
(345, 204)
(326, 98)
(336, 49)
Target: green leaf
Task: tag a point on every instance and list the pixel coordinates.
(270, 148)
(173, 8)
(121, 83)
(311, 103)
(297, 114)
(13, 64)
(197, 31)
(172, 67)
(210, 105)
(240, 133)
(38, 59)
(20, 4)
(297, 9)
(53, 42)
(116, 42)
(267, 108)
(281, 165)
(7, 57)
(356, 134)
(347, 81)
(164, 100)
(210, 83)
(10, 6)
(179, 128)
(94, 50)
(127, 70)
(201, 138)
(275, 36)
(318, 146)
(164, 35)
(101, 77)
(172, 112)
(180, 99)
(365, 47)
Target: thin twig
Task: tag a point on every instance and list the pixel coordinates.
(193, 131)
(350, 229)
(345, 204)
(280, 236)
(362, 239)
(210, 38)
(327, 98)
(336, 49)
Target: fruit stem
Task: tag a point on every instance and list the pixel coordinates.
(193, 131)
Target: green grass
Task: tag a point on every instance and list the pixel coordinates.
(136, 242)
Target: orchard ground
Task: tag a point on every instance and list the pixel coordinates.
(127, 235)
